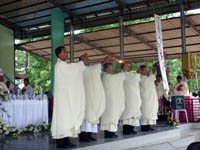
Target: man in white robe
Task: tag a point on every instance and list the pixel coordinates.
(132, 111)
(114, 91)
(95, 99)
(148, 94)
(69, 100)
(181, 87)
(27, 89)
(3, 87)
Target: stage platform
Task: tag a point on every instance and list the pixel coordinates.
(163, 137)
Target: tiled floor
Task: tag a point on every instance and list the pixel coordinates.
(43, 141)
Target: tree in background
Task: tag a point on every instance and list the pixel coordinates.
(38, 71)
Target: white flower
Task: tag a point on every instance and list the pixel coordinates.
(31, 129)
(7, 132)
(35, 130)
(4, 128)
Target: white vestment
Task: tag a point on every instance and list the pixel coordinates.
(184, 89)
(132, 111)
(3, 88)
(29, 89)
(160, 89)
(114, 91)
(69, 99)
(149, 98)
(95, 97)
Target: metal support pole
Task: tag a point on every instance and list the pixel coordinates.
(121, 30)
(57, 39)
(71, 43)
(183, 39)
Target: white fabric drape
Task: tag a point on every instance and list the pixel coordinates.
(24, 110)
(132, 111)
(94, 93)
(149, 98)
(114, 91)
(69, 99)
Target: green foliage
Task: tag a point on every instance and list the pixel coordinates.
(38, 71)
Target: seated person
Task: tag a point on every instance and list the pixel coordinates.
(181, 87)
(3, 87)
(27, 89)
(12, 90)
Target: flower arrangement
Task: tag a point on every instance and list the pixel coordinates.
(167, 105)
(8, 130)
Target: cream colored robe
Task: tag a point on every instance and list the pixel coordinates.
(69, 99)
(149, 98)
(132, 111)
(3, 88)
(184, 90)
(114, 91)
(160, 89)
(94, 93)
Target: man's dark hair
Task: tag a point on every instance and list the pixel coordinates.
(7, 82)
(26, 79)
(158, 76)
(106, 65)
(58, 50)
(142, 67)
(179, 77)
(122, 66)
(79, 59)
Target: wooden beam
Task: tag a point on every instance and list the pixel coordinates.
(191, 23)
(73, 15)
(24, 49)
(122, 5)
(10, 24)
(139, 37)
(94, 45)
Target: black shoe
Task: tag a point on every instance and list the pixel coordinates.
(144, 128)
(62, 146)
(84, 140)
(108, 134)
(71, 145)
(127, 130)
(90, 137)
(83, 137)
(149, 128)
(134, 132)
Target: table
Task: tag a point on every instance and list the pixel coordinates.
(24, 110)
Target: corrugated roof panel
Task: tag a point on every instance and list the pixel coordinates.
(96, 8)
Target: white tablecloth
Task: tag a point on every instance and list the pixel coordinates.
(24, 110)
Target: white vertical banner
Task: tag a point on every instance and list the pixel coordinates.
(161, 57)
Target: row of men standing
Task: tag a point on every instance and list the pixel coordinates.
(83, 99)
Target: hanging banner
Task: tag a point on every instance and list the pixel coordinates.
(161, 57)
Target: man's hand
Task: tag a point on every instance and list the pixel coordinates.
(106, 59)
